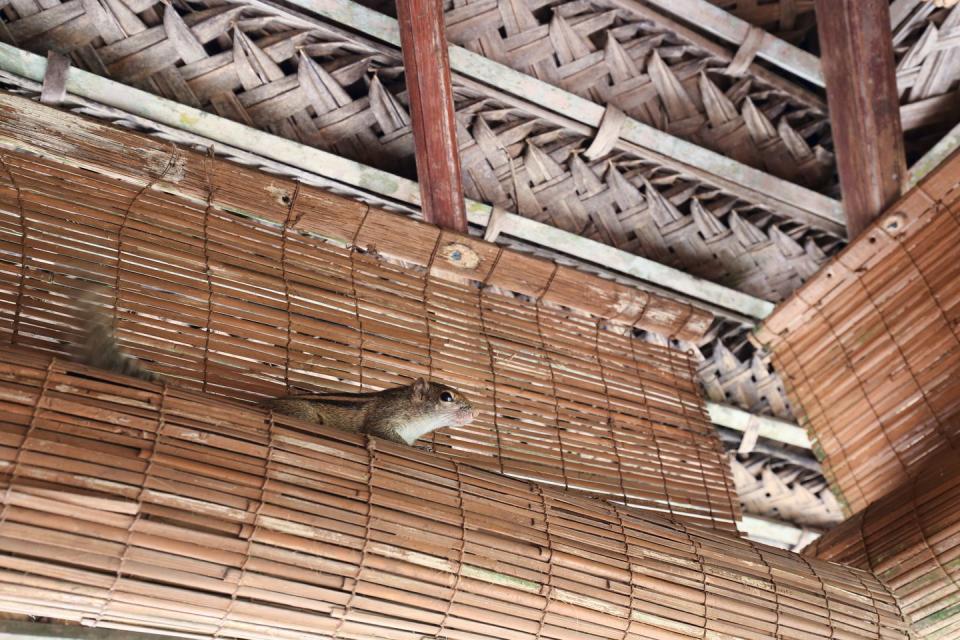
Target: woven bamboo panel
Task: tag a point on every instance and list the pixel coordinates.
(791, 20)
(339, 92)
(612, 55)
(197, 515)
(927, 46)
(870, 347)
(774, 490)
(909, 539)
(246, 309)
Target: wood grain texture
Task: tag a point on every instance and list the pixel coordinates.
(427, 69)
(858, 64)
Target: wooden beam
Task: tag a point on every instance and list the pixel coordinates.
(427, 70)
(772, 428)
(858, 63)
(776, 532)
(312, 161)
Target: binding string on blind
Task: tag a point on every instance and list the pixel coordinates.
(148, 472)
(22, 278)
(553, 379)
(285, 232)
(548, 595)
(611, 426)
(913, 376)
(481, 304)
(650, 424)
(352, 249)
(27, 435)
(461, 551)
(254, 528)
(686, 418)
(863, 390)
(371, 445)
(425, 306)
(826, 598)
(779, 362)
(208, 164)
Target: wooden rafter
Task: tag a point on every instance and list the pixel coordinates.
(858, 63)
(427, 69)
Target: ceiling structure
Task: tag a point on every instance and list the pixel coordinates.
(670, 134)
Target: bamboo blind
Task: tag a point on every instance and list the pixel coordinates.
(236, 307)
(911, 540)
(134, 505)
(870, 347)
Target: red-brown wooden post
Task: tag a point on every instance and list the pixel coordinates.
(856, 48)
(427, 66)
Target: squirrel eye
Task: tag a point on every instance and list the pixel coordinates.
(446, 396)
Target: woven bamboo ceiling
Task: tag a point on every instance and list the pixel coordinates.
(667, 130)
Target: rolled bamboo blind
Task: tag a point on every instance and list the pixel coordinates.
(243, 306)
(129, 504)
(870, 346)
(910, 539)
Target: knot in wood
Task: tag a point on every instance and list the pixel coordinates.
(460, 255)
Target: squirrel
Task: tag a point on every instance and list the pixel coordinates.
(401, 414)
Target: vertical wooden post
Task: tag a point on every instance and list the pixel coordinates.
(857, 54)
(427, 67)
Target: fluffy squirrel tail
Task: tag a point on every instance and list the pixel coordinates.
(99, 346)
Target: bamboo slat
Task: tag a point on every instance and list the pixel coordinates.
(246, 306)
(910, 539)
(870, 347)
(130, 504)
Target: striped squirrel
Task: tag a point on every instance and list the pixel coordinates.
(402, 414)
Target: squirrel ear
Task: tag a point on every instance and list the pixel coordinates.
(420, 389)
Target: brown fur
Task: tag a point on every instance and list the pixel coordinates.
(401, 414)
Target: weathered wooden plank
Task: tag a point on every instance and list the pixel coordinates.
(858, 63)
(427, 69)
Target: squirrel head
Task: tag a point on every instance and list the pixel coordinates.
(445, 404)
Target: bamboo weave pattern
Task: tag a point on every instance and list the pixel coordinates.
(244, 309)
(606, 51)
(870, 347)
(201, 516)
(790, 20)
(315, 84)
(909, 539)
